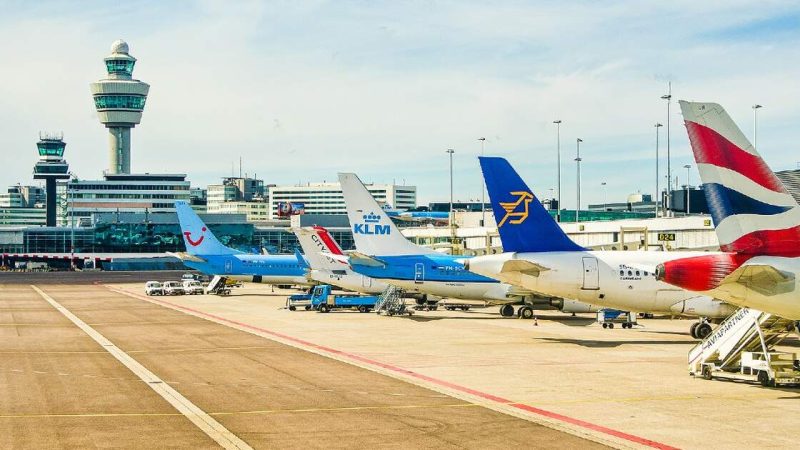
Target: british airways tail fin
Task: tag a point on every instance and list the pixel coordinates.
(523, 223)
(316, 243)
(752, 210)
(198, 238)
(373, 231)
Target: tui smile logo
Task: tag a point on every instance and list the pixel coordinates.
(524, 198)
(192, 242)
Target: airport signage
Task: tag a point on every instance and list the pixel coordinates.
(670, 237)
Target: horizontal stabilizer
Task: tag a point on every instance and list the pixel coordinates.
(183, 256)
(365, 260)
(524, 267)
(761, 278)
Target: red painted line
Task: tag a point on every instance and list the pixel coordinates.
(456, 387)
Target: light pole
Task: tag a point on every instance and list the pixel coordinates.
(755, 125)
(578, 161)
(483, 189)
(71, 203)
(450, 216)
(558, 151)
(688, 186)
(668, 98)
(658, 193)
(603, 185)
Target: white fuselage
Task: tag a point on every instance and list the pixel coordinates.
(491, 293)
(778, 297)
(349, 280)
(614, 279)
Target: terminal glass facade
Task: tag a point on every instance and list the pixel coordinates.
(119, 102)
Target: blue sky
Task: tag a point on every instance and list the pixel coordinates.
(302, 90)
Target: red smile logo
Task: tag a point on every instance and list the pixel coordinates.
(188, 235)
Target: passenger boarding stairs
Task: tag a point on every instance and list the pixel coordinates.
(391, 301)
(218, 285)
(747, 330)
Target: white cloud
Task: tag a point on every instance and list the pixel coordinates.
(303, 90)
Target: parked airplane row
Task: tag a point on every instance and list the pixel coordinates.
(757, 221)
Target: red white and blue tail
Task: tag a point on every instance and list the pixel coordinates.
(753, 212)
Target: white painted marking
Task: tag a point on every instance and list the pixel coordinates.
(197, 416)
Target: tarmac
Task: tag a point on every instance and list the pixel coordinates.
(272, 377)
(68, 382)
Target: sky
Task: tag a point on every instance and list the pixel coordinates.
(303, 90)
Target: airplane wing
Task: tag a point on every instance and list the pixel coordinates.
(523, 266)
(762, 278)
(183, 256)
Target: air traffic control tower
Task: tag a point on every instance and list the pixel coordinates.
(119, 100)
(51, 167)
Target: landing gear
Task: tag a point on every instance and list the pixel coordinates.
(526, 312)
(507, 311)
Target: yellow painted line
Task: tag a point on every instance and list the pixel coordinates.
(35, 325)
(54, 352)
(197, 416)
(234, 413)
(209, 349)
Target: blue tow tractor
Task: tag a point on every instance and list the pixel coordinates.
(323, 301)
(608, 317)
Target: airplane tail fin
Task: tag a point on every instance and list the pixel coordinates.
(752, 210)
(523, 223)
(373, 231)
(198, 238)
(316, 243)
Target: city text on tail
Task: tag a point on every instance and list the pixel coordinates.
(523, 223)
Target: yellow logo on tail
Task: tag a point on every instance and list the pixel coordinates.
(524, 198)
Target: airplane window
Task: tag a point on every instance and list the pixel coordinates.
(622, 273)
(637, 273)
(645, 273)
(630, 274)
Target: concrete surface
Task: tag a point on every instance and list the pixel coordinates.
(60, 389)
(633, 381)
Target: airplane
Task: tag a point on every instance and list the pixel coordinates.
(204, 252)
(317, 244)
(384, 254)
(540, 257)
(757, 221)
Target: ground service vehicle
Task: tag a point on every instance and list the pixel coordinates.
(173, 288)
(323, 300)
(153, 288)
(192, 287)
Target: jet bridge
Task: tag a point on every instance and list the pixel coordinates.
(741, 348)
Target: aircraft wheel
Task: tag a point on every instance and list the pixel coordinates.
(693, 329)
(506, 310)
(527, 313)
(703, 330)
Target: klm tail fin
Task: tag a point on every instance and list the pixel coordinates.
(753, 212)
(316, 243)
(198, 238)
(523, 223)
(373, 231)
(301, 260)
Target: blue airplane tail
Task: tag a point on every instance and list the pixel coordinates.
(198, 238)
(523, 223)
